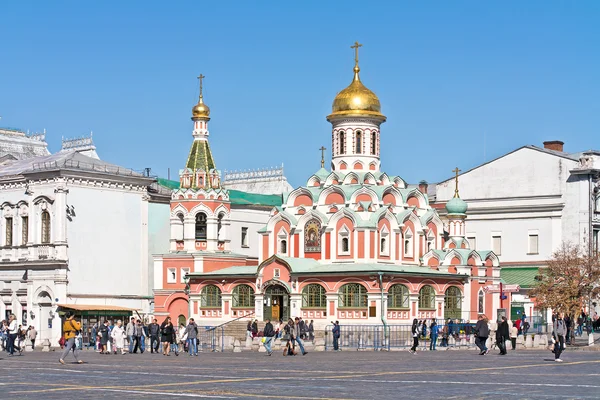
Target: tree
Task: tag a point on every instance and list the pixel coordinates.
(571, 280)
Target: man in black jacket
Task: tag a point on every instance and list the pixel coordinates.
(482, 331)
(154, 330)
(502, 335)
(268, 334)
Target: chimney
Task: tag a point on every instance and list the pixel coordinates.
(555, 145)
(423, 187)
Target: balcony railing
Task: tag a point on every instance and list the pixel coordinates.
(33, 252)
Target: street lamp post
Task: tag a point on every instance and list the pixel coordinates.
(186, 290)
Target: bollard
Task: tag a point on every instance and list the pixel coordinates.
(591, 339)
(46, 345)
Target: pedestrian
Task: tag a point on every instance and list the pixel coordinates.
(32, 335)
(434, 329)
(514, 333)
(21, 336)
(180, 339)
(249, 329)
(336, 335)
(118, 337)
(70, 328)
(311, 331)
(268, 334)
(445, 334)
(297, 336)
(559, 330)
(502, 335)
(280, 329)
(525, 327)
(137, 337)
(166, 331)
(414, 330)
(303, 328)
(13, 332)
(129, 331)
(192, 335)
(154, 331)
(103, 332)
(290, 347)
(144, 335)
(254, 328)
(482, 332)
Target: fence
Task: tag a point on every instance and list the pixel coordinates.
(211, 338)
(378, 337)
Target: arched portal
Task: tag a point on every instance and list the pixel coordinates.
(453, 303)
(276, 303)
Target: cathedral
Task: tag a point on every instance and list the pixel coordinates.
(353, 244)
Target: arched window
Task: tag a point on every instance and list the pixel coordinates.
(9, 231)
(383, 246)
(180, 229)
(200, 226)
(427, 298)
(359, 139)
(283, 246)
(243, 296)
(220, 226)
(45, 227)
(342, 142)
(481, 302)
(398, 297)
(313, 296)
(352, 295)
(408, 243)
(345, 245)
(210, 296)
(374, 143)
(452, 303)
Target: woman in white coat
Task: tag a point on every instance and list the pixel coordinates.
(118, 336)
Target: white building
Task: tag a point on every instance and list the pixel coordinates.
(75, 230)
(17, 145)
(524, 204)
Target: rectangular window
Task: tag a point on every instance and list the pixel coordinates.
(184, 272)
(24, 230)
(9, 231)
(244, 237)
(472, 242)
(171, 275)
(497, 244)
(596, 240)
(533, 244)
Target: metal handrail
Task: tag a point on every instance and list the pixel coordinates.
(228, 322)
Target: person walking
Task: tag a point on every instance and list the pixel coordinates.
(167, 332)
(137, 337)
(268, 334)
(502, 335)
(154, 331)
(104, 332)
(192, 337)
(336, 335)
(297, 336)
(415, 335)
(70, 328)
(311, 331)
(434, 330)
(249, 329)
(254, 328)
(118, 337)
(12, 332)
(514, 333)
(482, 332)
(129, 331)
(290, 347)
(32, 335)
(559, 330)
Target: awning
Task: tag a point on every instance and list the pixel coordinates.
(96, 310)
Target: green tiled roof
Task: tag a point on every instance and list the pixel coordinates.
(524, 277)
(200, 157)
(236, 196)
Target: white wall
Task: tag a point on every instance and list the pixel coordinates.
(254, 220)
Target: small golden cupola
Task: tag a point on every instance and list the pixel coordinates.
(356, 99)
(201, 110)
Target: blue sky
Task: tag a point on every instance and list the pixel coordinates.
(461, 82)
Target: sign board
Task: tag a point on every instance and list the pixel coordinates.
(505, 288)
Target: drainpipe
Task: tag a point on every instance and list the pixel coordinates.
(383, 320)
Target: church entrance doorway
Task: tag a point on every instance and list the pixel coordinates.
(453, 303)
(276, 304)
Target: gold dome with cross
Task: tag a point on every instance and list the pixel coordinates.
(356, 99)
(201, 110)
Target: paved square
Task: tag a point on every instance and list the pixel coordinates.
(343, 375)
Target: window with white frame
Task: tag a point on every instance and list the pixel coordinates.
(45, 234)
(384, 245)
(184, 272)
(497, 244)
(24, 230)
(9, 231)
(596, 240)
(408, 243)
(282, 244)
(244, 237)
(171, 275)
(472, 241)
(533, 243)
(344, 241)
(481, 302)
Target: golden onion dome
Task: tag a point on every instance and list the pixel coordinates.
(356, 100)
(200, 110)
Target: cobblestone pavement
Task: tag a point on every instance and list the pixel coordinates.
(342, 375)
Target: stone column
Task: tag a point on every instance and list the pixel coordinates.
(211, 234)
(58, 224)
(189, 233)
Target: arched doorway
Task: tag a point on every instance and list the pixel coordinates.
(44, 324)
(453, 303)
(276, 303)
(181, 320)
